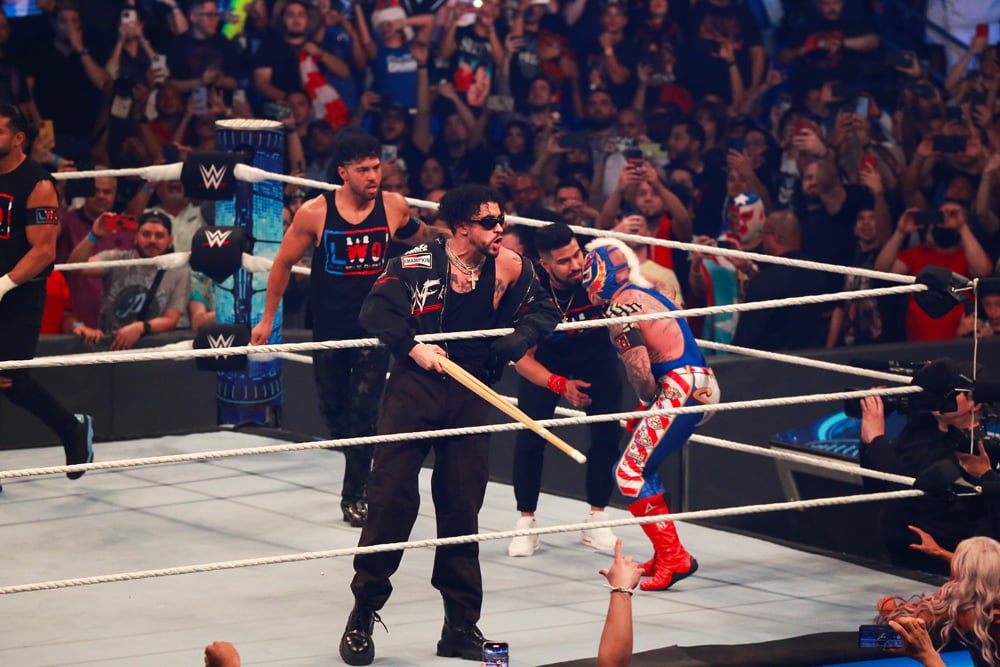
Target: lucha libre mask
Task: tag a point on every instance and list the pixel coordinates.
(745, 217)
(600, 271)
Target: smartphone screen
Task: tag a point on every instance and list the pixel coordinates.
(878, 636)
(868, 163)
(495, 654)
(983, 30)
(862, 106)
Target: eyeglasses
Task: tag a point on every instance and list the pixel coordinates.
(490, 221)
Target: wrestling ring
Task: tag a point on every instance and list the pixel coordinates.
(173, 542)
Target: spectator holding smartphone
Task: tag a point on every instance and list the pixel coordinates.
(964, 610)
(202, 56)
(137, 300)
(948, 242)
(62, 70)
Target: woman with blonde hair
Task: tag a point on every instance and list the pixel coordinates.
(966, 607)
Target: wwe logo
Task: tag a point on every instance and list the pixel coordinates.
(220, 341)
(212, 176)
(216, 238)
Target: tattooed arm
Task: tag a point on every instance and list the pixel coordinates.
(632, 349)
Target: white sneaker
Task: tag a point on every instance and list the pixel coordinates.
(601, 539)
(524, 545)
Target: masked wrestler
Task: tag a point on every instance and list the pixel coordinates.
(667, 370)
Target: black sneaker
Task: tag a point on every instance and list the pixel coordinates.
(80, 448)
(465, 641)
(355, 512)
(356, 645)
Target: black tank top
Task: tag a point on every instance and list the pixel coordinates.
(345, 265)
(15, 186)
(469, 311)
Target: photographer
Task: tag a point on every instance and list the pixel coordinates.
(934, 447)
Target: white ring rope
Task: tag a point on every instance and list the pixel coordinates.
(804, 361)
(803, 458)
(453, 432)
(94, 358)
(698, 515)
(256, 175)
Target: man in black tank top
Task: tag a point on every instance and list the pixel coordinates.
(468, 282)
(29, 226)
(349, 230)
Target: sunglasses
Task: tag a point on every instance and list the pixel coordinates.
(489, 222)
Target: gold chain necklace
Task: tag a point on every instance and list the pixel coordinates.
(569, 304)
(468, 269)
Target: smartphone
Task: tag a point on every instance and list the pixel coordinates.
(928, 218)
(495, 654)
(500, 103)
(122, 222)
(924, 91)
(983, 30)
(129, 16)
(389, 152)
(878, 636)
(171, 153)
(575, 140)
(904, 59)
(736, 144)
(868, 163)
(634, 157)
(200, 97)
(239, 96)
(950, 143)
(862, 106)
(556, 117)
(502, 164)
(277, 110)
(46, 134)
(158, 68)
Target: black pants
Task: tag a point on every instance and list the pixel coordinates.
(416, 400)
(20, 322)
(349, 384)
(537, 402)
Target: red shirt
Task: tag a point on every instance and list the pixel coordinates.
(919, 325)
(57, 302)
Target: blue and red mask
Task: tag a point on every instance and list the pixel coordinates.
(600, 272)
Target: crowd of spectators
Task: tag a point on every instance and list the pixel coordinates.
(825, 130)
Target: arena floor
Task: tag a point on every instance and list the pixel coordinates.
(549, 607)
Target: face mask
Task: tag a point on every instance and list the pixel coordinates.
(945, 237)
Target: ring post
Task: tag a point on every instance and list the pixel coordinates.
(253, 395)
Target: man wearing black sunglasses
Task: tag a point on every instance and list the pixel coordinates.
(29, 226)
(469, 282)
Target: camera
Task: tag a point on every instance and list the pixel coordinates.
(901, 404)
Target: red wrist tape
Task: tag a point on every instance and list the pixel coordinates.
(557, 384)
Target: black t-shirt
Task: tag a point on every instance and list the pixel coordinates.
(787, 328)
(13, 88)
(63, 92)
(829, 237)
(190, 57)
(15, 187)
(283, 60)
(595, 75)
(821, 65)
(707, 22)
(474, 166)
(575, 346)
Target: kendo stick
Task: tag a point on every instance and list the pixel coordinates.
(477, 387)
